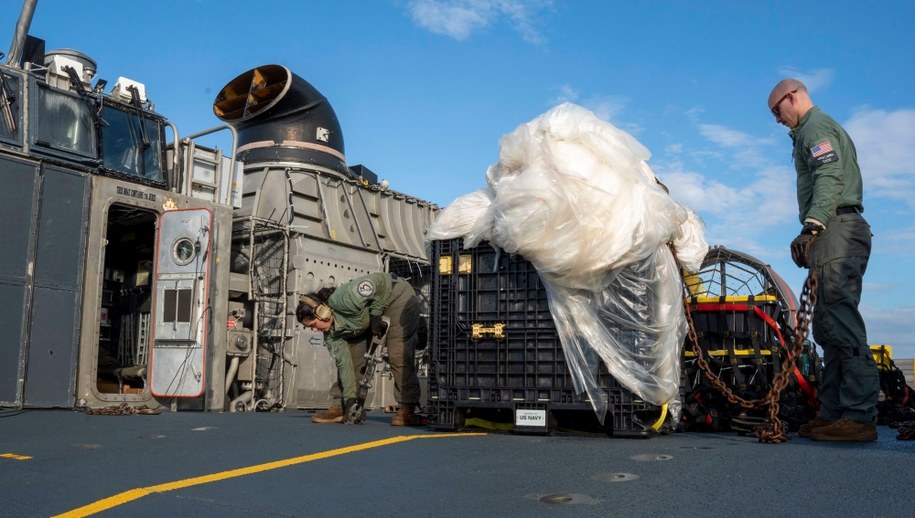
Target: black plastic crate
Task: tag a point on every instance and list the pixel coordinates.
(485, 284)
(735, 323)
(494, 345)
(492, 325)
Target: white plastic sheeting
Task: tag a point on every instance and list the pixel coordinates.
(574, 195)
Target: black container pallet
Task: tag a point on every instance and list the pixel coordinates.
(635, 420)
(494, 349)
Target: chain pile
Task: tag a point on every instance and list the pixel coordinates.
(906, 431)
(122, 409)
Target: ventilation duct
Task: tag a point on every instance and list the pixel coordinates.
(280, 117)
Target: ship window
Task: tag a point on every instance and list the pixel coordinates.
(183, 251)
(10, 120)
(131, 144)
(65, 122)
(176, 305)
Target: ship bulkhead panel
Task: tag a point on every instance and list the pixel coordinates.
(17, 214)
(53, 289)
(57, 292)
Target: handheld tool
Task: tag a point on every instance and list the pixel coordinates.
(376, 353)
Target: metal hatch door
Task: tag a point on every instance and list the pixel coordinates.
(179, 312)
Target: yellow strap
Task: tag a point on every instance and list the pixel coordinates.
(734, 298)
(657, 424)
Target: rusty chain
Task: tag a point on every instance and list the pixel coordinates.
(122, 409)
(773, 431)
(906, 431)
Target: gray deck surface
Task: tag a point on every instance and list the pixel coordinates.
(123, 462)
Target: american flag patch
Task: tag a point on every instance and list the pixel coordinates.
(821, 149)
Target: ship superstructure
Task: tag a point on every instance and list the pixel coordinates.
(141, 267)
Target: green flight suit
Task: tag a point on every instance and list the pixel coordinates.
(829, 190)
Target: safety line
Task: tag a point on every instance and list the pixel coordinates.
(14, 456)
(135, 494)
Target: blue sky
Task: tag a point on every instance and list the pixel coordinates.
(424, 89)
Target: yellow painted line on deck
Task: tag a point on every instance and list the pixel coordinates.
(14, 456)
(135, 494)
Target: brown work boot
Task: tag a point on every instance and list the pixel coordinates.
(816, 422)
(845, 430)
(334, 414)
(403, 417)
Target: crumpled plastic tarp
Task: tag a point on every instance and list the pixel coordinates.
(573, 195)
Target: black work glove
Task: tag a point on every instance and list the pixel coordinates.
(378, 326)
(800, 247)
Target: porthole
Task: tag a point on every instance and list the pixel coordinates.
(183, 251)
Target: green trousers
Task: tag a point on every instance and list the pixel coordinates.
(850, 383)
(349, 378)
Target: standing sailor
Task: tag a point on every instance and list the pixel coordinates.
(835, 241)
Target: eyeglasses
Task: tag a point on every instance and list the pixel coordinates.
(775, 109)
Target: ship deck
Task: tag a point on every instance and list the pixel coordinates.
(67, 463)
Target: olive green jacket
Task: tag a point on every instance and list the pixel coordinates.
(828, 176)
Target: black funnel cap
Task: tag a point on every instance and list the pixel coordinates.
(280, 117)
